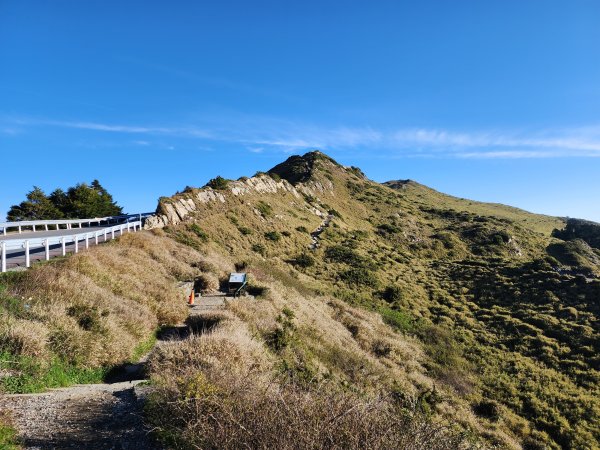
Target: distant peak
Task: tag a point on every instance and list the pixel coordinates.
(400, 184)
(299, 169)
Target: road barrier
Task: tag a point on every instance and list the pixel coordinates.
(9, 246)
(67, 224)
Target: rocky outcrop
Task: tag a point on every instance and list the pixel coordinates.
(175, 210)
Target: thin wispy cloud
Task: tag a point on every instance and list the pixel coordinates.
(260, 135)
(213, 81)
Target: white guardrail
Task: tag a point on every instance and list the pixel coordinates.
(68, 223)
(7, 244)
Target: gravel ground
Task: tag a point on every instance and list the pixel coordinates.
(91, 416)
(94, 416)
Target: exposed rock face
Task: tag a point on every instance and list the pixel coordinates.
(174, 211)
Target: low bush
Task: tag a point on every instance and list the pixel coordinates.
(273, 236)
(343, 254)
(264, 208)
(387, 228)
(360, 277)
(198, 232)
(488, 409)
(260, 249)
(393, 294)
(283, 334)
(397, 319)
(218, 183)
(88, 317)
(245, 231)
(303, 260)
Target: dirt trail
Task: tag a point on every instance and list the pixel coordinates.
(94, 416)
(315, 234)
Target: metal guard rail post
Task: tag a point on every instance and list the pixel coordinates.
(63, 241)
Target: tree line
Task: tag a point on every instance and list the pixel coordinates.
(80, 201)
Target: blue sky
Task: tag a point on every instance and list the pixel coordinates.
(491, 100)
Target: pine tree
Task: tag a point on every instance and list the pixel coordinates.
(37, 207)
(79, 202)
(93, 200)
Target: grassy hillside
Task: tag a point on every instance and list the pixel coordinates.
(508, 325)
(413, 320)
(536, 222)
(72, 319)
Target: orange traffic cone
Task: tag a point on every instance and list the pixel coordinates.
(191, 300)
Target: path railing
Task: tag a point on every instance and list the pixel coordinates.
(37, 225)
(12, 247)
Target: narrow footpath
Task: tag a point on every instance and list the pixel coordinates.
(315, 234)
(96, 416)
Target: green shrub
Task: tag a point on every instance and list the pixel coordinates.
(381, 348)
(360, 277)
(274, 176)
(488, 409)
(387, 228)
(398, 319)
(302, 229)
(260, 249)
(264, 208)
(273, 236)
(198, 232)
(283, 335)
(245, 230)
(343, 254)
(304, 260)
(447, 239)
(286, 233)
(393, 294)
(218, 183)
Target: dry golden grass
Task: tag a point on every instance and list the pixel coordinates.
(207, 283)
(343, 380)
(221, 390)
(92, 309)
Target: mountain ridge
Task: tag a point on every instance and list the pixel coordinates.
(496, 284)
(474, 323)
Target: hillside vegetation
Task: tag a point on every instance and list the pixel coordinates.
(410, 320)
(503, 309)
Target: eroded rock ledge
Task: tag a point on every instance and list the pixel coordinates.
(175, 209)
